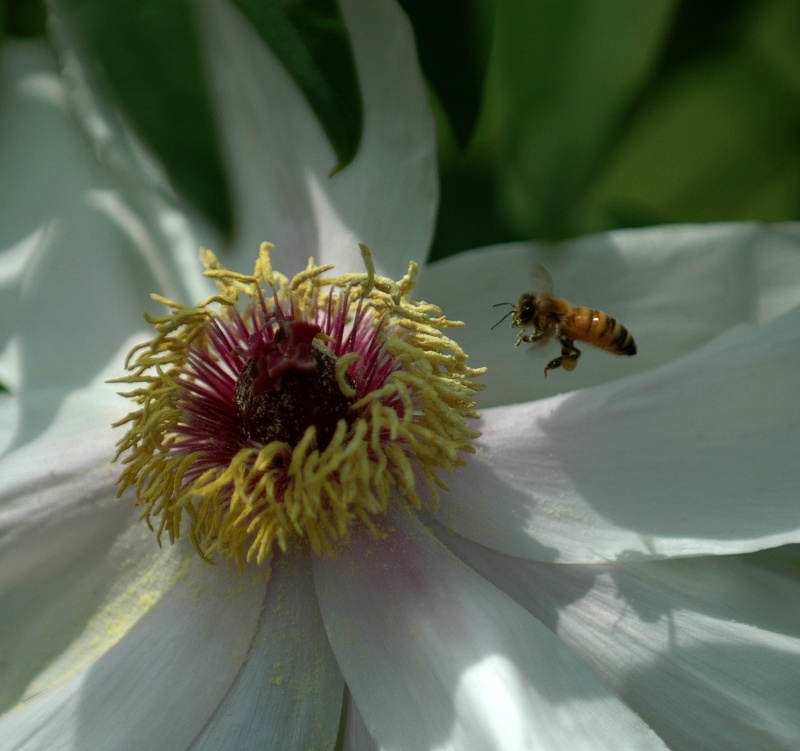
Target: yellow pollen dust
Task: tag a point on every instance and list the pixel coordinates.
(282, 494)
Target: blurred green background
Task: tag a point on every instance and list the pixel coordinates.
(555, 118)
(597, 115)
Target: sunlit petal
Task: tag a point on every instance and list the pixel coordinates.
(706, 650)
(435, 657)
(173, 669)
(676, 288)
(687, 459)
(281, 160)
(70, 244)
(289, 691)
(72, 559)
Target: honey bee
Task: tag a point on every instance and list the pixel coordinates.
(550, 316)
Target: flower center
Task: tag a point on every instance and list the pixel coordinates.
(295, 416)
(289, 385)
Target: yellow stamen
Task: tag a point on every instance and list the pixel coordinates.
(412, 425)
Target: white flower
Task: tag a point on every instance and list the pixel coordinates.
(614, 513)
(584, 586)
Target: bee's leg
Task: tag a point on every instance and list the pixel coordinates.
(568, 359)
(528, 338)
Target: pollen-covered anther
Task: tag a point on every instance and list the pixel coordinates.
(288, 410)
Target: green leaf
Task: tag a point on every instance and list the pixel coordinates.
(717, 140)
(25, 18)
(146, 54)
(453, 49)
(310, 38)
(775, 31)
(561, 81)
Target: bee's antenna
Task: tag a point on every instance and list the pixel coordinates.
(497, 305)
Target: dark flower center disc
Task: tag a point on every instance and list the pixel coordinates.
(282, 407)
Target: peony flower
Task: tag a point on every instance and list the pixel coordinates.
(604, 570)
(297, 420)
(624, 510)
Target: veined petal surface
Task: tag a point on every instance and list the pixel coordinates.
(435, 657)
(289, 691)
(707, 650)
(71, 251)
(675, 288)
(691, 455)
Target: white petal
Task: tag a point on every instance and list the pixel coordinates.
(698, 456)
(357, 737)
(76, 569)
(281, 159)
(435, 657)
(83, 579)
(72, 255)
(289, 692)
(676, 288)
(706, 650)
(160, 684)
(50, 466)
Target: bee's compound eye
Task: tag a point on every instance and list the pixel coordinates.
(570, 363)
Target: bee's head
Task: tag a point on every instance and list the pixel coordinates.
(524, 311)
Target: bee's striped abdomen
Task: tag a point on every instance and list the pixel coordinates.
(600, 330)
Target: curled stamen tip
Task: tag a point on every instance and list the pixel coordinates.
(263, 268)
(209, 259)
(369, 264)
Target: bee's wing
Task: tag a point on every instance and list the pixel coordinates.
(542, 281)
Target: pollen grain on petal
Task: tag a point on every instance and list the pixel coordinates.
(284, 411)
